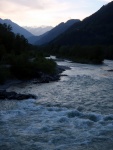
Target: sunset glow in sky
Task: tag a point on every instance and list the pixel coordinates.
(47, 12)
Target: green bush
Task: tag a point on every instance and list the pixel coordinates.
(4, 74)
(81, 54)
(2, 51)
(24, 68)
(45, 65)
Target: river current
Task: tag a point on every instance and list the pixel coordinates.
(75, 113)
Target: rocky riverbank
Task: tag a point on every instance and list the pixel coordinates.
(14, 96)
(41, 78)
(44, 78)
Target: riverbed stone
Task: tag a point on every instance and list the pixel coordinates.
(14, 96)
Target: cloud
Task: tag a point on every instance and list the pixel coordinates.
(30, 4)
(47, 12)
(27, 10)
(107, 1)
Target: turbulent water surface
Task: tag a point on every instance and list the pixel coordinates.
(75, 113)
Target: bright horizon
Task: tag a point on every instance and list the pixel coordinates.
(47, 12)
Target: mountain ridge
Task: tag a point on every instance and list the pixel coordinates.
(59, 29)
(37, 31)
(16, 28)
(95, 29)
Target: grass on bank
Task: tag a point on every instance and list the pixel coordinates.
(25, 66)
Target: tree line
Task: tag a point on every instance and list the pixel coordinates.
(19, 59)
(84, 54)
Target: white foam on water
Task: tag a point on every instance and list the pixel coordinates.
(54, 126)
(53, 122)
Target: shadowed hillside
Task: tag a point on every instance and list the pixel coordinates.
(96, 29)
(16, 28)
(56, 31)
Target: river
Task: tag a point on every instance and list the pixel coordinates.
(75, 113)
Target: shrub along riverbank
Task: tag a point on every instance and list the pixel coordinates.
(19, 59)
(26, 67)
(80, 54)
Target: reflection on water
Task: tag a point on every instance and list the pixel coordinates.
(75, 113)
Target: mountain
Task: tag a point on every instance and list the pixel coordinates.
(16, 28)
(37, 31)
(59, 29)
(33, 39)
(95, 29)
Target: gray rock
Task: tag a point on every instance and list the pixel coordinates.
(14, 96)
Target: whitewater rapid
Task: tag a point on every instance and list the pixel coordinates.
(75, 113)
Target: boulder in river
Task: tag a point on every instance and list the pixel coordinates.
(14, 96)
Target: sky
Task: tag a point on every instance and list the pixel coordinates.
(47, 12)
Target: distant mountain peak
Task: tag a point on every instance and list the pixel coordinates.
(38, 30)
(56, 31)
(16, 28)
